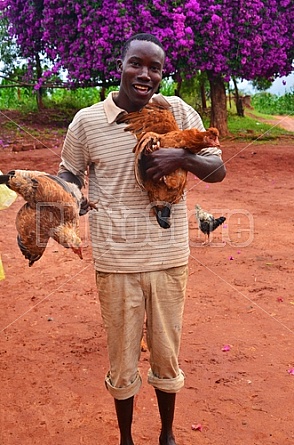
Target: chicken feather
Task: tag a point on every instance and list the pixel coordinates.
(51, 210)
(155, 128)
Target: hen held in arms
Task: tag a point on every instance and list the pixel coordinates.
(156, 128)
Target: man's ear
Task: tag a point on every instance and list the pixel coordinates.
(119, 65)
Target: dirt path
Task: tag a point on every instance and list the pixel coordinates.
(237, 348)
(285, 122)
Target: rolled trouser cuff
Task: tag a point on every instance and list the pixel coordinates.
(125, 392)
(167, 385)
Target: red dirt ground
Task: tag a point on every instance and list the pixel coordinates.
(240, 293)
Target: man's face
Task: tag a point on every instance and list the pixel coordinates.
(141, 73)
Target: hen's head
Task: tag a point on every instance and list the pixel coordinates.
(213, 137)
(67, 236)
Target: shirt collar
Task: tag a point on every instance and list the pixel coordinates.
(112, 111)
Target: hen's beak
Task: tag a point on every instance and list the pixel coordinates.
(78, 251)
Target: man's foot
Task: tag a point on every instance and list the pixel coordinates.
(170, 440)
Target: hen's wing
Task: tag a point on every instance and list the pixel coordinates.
(32, 235)
(152, 117)
(190, 139)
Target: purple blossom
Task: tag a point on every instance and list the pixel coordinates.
(244, 39)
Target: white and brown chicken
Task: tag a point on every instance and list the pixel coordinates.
(207, 223)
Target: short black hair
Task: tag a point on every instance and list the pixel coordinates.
(142, 36)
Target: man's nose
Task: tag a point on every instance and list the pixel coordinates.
(144, 72)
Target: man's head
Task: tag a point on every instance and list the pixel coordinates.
(143, 37)
(141, 66)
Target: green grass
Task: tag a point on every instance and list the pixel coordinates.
(252, 128)
(63, 104)
(272, 104)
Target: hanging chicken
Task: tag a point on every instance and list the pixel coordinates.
(51, 210)
(156, 128)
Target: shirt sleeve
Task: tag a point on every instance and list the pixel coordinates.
(74, 154)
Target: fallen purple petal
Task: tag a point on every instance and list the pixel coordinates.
(197, 427)
(291, 371)
(226, 348)
(231, 258)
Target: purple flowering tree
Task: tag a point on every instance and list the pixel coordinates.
(25, 25)
(248, 39)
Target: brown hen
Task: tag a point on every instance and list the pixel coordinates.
(156, 128)
(51, 210)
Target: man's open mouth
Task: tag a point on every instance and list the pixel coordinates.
(141, 88)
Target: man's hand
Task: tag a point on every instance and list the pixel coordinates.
(162, 162)
(86, 205)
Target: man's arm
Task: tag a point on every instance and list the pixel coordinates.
(209, 168)
(70, 177)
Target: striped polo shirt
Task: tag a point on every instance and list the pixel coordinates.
(124, 232)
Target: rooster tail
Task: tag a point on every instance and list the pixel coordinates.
(217, 222)
(163, 215)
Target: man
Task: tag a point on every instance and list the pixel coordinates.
(141, 269)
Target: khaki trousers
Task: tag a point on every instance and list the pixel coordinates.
(126, 299)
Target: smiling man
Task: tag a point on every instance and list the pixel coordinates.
(141, 72)
(141, 269)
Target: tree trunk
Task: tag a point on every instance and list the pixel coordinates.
(219, 115)
(103, 93)
(178, 79)
(39, 92)
(239, 103)
(203, 95)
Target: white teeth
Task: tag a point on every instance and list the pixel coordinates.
(139, 87)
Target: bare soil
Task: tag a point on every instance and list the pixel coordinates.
(237, 347)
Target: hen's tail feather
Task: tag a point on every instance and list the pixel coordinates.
(27, 254)
(163, 216)
(217, 222)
